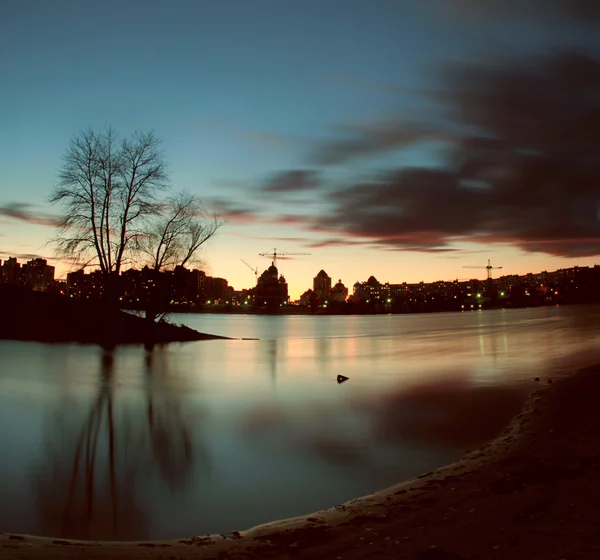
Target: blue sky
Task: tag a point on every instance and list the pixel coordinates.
(240, 91)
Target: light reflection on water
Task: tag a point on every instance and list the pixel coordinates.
(216, 436)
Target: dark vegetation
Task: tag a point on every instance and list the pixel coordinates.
(43, 317)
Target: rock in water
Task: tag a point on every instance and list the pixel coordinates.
(342, 378)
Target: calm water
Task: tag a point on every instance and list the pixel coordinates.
(216, 436)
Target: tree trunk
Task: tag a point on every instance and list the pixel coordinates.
(111, 289)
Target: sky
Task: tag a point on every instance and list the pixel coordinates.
(395, 138)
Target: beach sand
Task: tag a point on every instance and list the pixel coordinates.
(532, 493)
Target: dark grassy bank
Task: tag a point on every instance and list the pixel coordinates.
(43, 317)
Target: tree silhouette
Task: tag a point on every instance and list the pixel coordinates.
(112, 213)
(106, 188)
(172, 237)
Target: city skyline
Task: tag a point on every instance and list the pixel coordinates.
(202, 289)
(318, 130)
(480, 276)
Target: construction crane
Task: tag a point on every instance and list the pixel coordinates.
(275, 255)
(255, 270)
(489, 268)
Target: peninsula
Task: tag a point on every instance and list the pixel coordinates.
(43, 317)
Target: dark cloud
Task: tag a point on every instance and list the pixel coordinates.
(548, 107)
(243, 213)
(418, 249)
(373, 139)
(291, 219)
(271, 238)
(239, 215)
(269, 140)
(332, 243)
(291, 181)
(23, 212)
(584, 10)
(520, 167)
(22, 256)
(539, 11)
(382, 244)
(527, 173)
(361, 83)
(414, 209)
(232, 211)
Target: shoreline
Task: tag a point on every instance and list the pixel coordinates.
(50, 318)
(304, 311)
(532, 492)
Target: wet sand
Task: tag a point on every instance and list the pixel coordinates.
(532, 493)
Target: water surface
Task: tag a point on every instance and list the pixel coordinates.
(216, 436)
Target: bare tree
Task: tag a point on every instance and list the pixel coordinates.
(106, 188)
(176, 232)
(173, 236)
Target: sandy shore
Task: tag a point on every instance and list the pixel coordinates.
(532, 493)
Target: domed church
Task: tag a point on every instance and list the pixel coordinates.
(271, 289)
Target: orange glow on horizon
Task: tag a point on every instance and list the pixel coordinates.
(404, 267)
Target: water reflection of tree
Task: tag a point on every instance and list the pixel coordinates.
(89, 485)
(169, 435)
(270, 351)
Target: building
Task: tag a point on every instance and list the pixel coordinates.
(188, 287)
(271, 289)
(309, 299)
(244, 297)
(370, 291)
(322, 287)
(198, 284)
(339, 292)
(37, 275)
(11, 271)
(85, 286)
(217, 291)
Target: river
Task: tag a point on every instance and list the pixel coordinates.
(216, 436)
